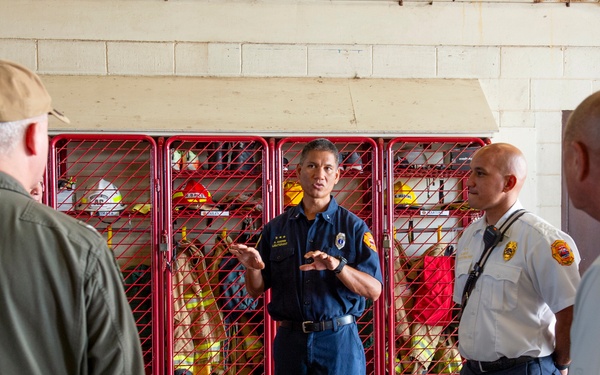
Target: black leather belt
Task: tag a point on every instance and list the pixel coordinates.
(499, 364)
(310, 326)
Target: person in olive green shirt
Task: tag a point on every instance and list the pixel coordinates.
(63, 309)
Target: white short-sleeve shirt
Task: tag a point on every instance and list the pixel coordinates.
(530, 275)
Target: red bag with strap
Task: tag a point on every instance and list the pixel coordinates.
(433, 291)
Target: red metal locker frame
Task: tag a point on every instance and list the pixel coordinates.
(204, 146)
(442, 169)
(372, 166)
(59, 166)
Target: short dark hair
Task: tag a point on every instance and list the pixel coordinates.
(320, 144)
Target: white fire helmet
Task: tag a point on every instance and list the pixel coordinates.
(102, 199)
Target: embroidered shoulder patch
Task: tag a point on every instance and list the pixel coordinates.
(562, 253)
(370, 241)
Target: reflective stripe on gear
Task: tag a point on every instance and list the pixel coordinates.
(254, 347)
(183, 361)
(191, 302)
(422, 349)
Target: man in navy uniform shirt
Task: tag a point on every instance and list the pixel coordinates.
(321, 263)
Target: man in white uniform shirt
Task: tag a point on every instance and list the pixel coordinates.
(581, 167)
(516, 319)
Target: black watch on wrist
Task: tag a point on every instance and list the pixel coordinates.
(341, 265)
(561, 367)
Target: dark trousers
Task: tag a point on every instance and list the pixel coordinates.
(319, 353)
(537, 366)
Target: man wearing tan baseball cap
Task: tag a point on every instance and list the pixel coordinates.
(63, 307)
(23, 94)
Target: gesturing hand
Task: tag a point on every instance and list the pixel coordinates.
(321, 261)
(248, 256)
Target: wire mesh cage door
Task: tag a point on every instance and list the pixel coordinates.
(215, 197)
(357, 191)
(108, 182)
(426, 211)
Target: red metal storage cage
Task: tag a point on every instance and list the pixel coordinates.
(426, 211)
(217, 192)
(110, 182)
(358, 190)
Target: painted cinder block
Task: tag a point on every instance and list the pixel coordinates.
(404, 61)
(20, 51)
(130, 58)
(225, 59)
(468, 62)
(582, 62)
(274, 60)
(72, 57)
(339, 60)
(531, 62)
(191, 59)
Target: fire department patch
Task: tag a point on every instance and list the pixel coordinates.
(509, 250)
(370, 241)
(562, 253)
(340, 240)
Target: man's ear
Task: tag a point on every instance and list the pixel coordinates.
(581, 161)
(33, 137)
(338, 174)
(30, 138)
(510, 182)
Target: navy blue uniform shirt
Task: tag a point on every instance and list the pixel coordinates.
(315, 295)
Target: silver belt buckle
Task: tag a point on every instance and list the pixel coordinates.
(304, 326)
(480, 368)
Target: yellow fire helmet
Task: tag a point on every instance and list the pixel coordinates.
(404, 196)
(292, 193)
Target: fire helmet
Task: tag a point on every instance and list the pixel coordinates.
(102, 199)
(404, 196)
(351, 160)
(292, 193)
(193, 195)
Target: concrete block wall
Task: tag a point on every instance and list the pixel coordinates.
(533, 60)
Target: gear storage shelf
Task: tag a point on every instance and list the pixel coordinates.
(110, 183)
(172, 250)
(426, 211)
(358, 190)
(216, 189)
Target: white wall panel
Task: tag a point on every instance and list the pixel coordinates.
(360, 22)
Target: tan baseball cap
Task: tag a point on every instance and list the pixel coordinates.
(23, 95)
